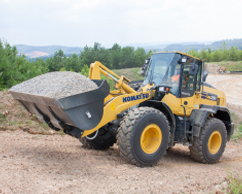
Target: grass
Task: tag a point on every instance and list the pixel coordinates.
(238, 133)
(110, 82)
(137, 75)
(130, 73)
(237, 126)
(61, 132)
(28, 121)
(230, 65)
(4, 89)
(12, 123)
(235, 185)
(235, 117)
(20, 114)
(2, 117)
(46, 127)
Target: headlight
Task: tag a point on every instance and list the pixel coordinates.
(163, 89)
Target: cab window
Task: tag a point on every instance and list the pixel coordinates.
(188, 81)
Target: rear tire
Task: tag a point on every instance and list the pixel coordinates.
(143, 136)
(209, 147)
(103, 141)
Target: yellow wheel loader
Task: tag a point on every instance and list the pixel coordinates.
(173, 105)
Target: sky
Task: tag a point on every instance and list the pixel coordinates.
(79, 23)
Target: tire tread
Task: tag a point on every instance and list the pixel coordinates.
(196, 149)
(125, 132)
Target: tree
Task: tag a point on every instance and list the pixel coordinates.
(216, 56)
(139, 57)
(203, 54)
(85, 70)
(86, 56)
(15, 69)
(73, 63)
(232, 54)
(193, 53)
(115, 56)
(127, 57)
(57, 62)
(224, 51)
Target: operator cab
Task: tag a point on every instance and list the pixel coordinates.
(176, 70)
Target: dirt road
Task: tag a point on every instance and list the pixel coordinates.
(231, 85)
(59, 164)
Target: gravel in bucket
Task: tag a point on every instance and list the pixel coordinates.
(56, 85)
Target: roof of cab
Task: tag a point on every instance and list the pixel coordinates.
(180, 53)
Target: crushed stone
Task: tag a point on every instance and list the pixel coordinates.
(56, 85)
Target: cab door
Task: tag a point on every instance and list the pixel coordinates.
(190, 86)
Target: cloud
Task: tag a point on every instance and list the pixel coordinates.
(77, 23)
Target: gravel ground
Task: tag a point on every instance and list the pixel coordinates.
(58, 164)
(56, 85)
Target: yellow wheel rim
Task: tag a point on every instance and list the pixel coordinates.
(214, 142)
(151, 139)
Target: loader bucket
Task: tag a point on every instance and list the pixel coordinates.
(83, 111)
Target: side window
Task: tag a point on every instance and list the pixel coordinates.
(188, 80)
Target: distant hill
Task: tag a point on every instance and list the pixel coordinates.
(38, 51)
(229, 43)
(47, 51)
(198, 47)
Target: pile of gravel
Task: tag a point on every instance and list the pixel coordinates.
(56, 85)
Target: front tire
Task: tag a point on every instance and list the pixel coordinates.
(143, 136)
(103, 141)
(209, 147)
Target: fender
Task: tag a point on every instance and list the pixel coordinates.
(199, 116)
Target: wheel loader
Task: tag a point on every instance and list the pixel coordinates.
(173, 105)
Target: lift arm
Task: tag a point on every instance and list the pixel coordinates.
(97, 68)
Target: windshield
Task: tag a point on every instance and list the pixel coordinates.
(164, 70)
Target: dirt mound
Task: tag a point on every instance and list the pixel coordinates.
(13, 116)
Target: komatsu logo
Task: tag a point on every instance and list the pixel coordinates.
(135, 97)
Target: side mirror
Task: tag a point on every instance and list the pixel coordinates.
(147, 61)
(193, 69)
(205, 74)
